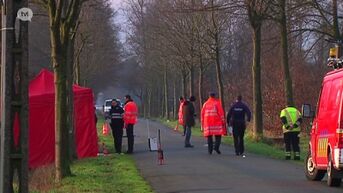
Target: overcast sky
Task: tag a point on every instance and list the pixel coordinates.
(117, 5)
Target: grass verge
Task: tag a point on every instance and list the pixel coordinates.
(265, 147)
(103, 174)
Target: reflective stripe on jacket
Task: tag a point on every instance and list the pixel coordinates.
(116, 114)
(212, 118)
(130, 113)
(292, 115)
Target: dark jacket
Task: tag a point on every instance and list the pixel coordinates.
(188, 114)
(237, 113)
(116, 114)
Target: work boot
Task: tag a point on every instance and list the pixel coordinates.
(287, 155)
(217, 150)
(296, 155)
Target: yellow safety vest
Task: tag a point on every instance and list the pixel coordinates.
(292, 115)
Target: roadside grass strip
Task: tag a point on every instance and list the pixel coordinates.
(111, 173)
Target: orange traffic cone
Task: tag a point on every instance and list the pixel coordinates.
(176, 127)
(105, 129)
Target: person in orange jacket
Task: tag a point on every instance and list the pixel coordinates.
(180, 115)
(130, 119)
(213, 122)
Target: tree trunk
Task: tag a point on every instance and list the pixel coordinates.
(63, 16)
(59, 55)
(217, 56)
(77, 67)
(70, 100)
(149, 103)
(201, 82)
(161, 102)
(166, 94)
(284, 48)
(219, 72)
(145, 104)
(191, 81)
(141, 99)
(61, 131)
(183, 86)
(336, 29)
(257, 91)
(174, 100)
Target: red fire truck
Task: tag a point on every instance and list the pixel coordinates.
(326, 145)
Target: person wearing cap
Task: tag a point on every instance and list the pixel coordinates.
(213, 122)
(291, 120)
(188, 114)
(117, 124)
(236, 119)
(130, 119)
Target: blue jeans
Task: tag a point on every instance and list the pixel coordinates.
(188, 134)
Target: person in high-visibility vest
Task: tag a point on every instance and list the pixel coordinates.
(180, 115)
(130, 119)
(213, 122)
(291, 120)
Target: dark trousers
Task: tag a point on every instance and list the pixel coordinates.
(130, 138)
(291, 143)
(216, 144)
(238, 131)
(188, 135)
(117, 136)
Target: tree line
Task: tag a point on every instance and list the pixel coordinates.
(273, 52)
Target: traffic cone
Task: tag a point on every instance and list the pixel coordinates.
(105, 129)
(176, 127)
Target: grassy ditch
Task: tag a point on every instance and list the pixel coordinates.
(266, 147)
(113, 174)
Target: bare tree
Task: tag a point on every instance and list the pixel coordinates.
(63, 16)
(257, 10)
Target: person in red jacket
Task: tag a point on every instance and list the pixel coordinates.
(180, 115)
(213, 122)
(130, 119)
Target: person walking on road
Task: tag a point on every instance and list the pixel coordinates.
(213, 122)
(117, 124)
(130, 119)
(188, 113)
(291, 120)
(236, 119)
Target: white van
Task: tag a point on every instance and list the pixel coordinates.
(107, 107)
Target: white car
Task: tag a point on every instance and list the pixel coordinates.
(107, 107)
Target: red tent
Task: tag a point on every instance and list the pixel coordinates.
(41, 121)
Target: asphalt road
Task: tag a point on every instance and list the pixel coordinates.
(193, 170)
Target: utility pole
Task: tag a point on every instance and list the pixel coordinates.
(14, 99)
